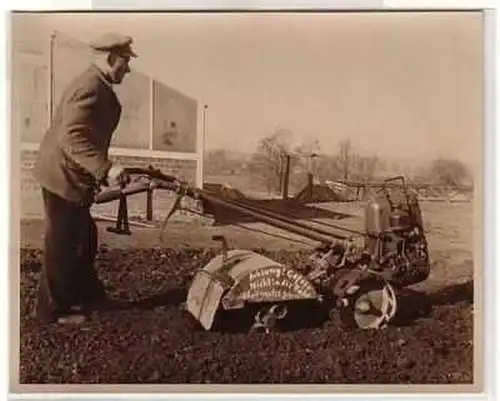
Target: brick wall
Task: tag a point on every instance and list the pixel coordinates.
(31, 202)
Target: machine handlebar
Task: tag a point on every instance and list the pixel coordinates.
(154, 179)
(397, 178)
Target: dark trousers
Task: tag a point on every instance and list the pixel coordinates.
(68, 276)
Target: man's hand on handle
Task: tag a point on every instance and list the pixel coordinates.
(117, 176)
(118, 182)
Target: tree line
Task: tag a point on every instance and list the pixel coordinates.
(265, 166)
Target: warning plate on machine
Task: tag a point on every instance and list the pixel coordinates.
(273, 284)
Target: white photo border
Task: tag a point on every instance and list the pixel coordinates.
(491, 166)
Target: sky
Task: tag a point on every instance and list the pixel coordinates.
(404, 85)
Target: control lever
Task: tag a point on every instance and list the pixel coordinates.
(122, 224)
(224, 243)
(174, 208)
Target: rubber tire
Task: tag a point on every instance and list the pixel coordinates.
(347, 313)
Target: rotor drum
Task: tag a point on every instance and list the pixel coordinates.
(241, 277)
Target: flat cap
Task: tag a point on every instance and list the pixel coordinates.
(114, 42)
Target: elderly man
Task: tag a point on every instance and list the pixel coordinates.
(72, 165)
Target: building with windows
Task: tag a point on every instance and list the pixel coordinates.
(159, 124)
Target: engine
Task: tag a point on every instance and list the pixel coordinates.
(395, 238)
(394, 245)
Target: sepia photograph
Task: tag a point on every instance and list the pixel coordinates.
(247, 198)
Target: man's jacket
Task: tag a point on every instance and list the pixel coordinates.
(73, 156)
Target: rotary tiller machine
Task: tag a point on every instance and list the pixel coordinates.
(360, 279)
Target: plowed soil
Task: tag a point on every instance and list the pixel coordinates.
(154, 340)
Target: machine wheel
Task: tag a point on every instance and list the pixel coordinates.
(371, 304)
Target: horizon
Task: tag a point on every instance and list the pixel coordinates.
(409, 166)
(419, 99)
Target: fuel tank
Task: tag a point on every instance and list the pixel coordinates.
(399, 220)
(377, 215)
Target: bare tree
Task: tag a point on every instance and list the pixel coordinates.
(305, 152)
(350, 164)
(307, 147)
(345, 158)
(268, 160)
(328, 167)
(364, 167)
(450, 172)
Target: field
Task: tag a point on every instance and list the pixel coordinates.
(154, 340)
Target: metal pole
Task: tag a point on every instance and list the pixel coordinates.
(152, 112)
(51, 77)
(205, 107)
(281, 173)
(286, 177)
(149, 205)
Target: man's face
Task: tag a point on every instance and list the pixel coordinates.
(119, 67)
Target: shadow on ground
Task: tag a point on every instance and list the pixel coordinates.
(412, 305)
(171, 297)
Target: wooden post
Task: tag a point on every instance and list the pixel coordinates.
(149, 205)
(310, 183)
(281, 173)
(311, 173)
(286, 178)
